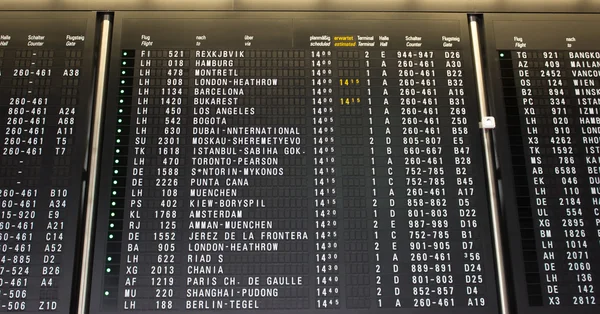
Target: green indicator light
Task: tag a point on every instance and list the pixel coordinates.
(112, 226)
(110, 236)
(118, 130)
(116, 171)
(114, 193)
(122, 92)
(118, 141)
(112, 214)
(115, 182)
(124, 53)
(108, 270)
(124, 62)
(120, 120)
(109, 258)
(120, 110)
(113, 203)
(116, 162)
(118, 151)
(122, 81)
(502, 55)
(123, 72)
(121, 101)
(106, 293)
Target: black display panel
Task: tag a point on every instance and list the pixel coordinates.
(297, 162)
(544, 78)
(46, 74)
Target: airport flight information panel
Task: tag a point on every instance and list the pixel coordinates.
(292, 162)
(45, 87)
(547, 100)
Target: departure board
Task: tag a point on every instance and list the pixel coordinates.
(292, 162)
(547, 96)
(45, 90)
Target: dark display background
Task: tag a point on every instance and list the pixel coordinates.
(45, 94)
(530, 247)
(280, 48)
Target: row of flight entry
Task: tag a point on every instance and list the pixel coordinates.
(44, 72)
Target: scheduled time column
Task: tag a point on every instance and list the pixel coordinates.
(324, 185)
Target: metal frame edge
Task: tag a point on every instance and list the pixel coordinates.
(490, 168)
(94, 156)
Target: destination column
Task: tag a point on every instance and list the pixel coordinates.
(248, 220)
(583, 70)
(214, 182)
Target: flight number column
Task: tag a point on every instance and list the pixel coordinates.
(562, 154)
(525, 132)
(165, 268)
(135, 270)
(150, 269)
(327, 293)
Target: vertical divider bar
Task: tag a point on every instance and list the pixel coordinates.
(490, 168)
(90, 214)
